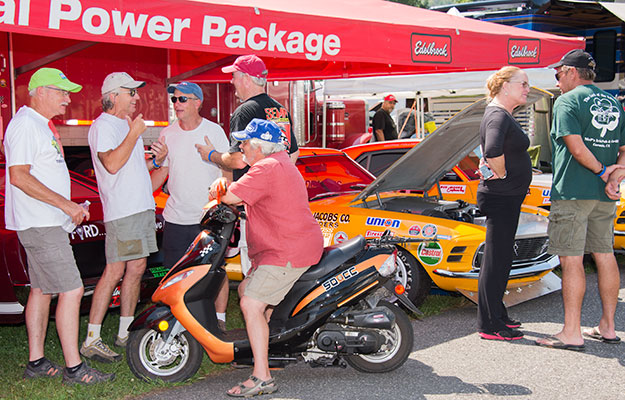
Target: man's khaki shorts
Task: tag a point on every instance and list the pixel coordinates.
(131, 237)
(271, 283)
(51, 264)
(581, 226)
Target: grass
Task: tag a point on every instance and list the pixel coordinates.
(14, 356)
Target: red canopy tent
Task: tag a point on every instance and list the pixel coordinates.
(297, 39)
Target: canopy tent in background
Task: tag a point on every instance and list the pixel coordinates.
(298, 39)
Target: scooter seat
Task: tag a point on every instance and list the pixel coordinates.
(333, 256)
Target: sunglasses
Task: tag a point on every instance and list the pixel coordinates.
(559, 75)
(131, 92)
(182, 99)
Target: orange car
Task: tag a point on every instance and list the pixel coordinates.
(458, 184)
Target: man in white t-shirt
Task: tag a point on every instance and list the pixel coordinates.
(125, 188)
(189, 177)
(37, 205)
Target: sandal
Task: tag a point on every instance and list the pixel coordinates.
(259, 388)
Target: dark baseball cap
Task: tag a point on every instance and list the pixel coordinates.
(576, 58)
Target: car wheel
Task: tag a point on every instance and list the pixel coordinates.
(411, 274)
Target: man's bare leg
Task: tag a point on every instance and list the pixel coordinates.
(67, 320)
(131, 286)
(37, 313)
(609, 286)
(573, 289)
(103, 291)
(258, 334)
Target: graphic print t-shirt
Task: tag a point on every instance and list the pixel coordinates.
(264, 107)
(599, 119)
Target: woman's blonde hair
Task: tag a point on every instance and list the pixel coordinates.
(495, 82)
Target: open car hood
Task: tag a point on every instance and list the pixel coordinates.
(426, 163)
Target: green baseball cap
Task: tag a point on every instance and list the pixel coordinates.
(52, 76)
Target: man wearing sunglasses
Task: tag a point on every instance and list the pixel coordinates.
(126, 190)
(588, 139)
(188, 177)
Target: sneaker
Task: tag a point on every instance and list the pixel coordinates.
(507, 334)
(86, 376)
(221, 325)
(121, 342)
(512, 323)
(99, 351)
(46, 369)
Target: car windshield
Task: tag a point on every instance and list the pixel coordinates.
(335, 174)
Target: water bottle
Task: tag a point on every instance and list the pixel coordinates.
(69, 225)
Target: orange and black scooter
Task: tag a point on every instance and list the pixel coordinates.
(338, 313)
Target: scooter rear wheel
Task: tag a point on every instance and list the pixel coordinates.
(393, 354)
(150, 358)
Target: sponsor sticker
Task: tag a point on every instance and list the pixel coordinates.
(453, 189)
(430, 48)
(331, 220)
(373, 234)
(430, 253)
(429, 231)
(340, 237)
(414, 230)
(385, 222)
(523, 51)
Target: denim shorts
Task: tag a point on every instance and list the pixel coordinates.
(581, 226)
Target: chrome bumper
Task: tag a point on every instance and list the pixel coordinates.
(516, 273)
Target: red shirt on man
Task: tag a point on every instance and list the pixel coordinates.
(281, 228)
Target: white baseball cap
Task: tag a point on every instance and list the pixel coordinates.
(116, 80)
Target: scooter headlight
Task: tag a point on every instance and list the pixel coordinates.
(389, 266)
(177, 279)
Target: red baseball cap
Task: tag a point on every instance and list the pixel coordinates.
(390, 97)
(250, 64)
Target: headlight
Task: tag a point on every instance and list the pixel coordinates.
(177, 279)
(389, 266)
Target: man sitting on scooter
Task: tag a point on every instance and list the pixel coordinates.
(283, 238)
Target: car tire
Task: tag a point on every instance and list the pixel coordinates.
(413, 276)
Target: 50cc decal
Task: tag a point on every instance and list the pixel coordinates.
(343, 276)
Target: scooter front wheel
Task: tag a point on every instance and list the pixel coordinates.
(394, 352)
(150, 357)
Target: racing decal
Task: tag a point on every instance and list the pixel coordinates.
(331, 220)
(338, 279)
(87, 231)
(430, 48)
(340, 237)
(414, 230)
(546, 196)
(319, 292)
(523, 51)
(385, 222)
(444, 237)
(429, 231)
(430, 253)
(327, 236)
(158, 272)
(373, 234)
(453, 189)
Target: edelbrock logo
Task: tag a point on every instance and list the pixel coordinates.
(430, 48)
(523, 51)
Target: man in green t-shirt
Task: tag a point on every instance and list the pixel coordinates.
(588, 139)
